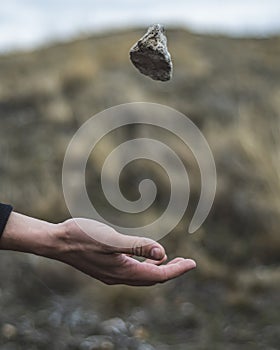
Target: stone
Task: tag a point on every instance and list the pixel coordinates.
(114, 326)
(9, 331)
(97, 342)
(150, 54)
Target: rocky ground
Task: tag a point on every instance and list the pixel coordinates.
(230, 89)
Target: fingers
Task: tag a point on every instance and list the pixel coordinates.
(148, 274)
(174, 261)
(156, 262)
(159, 262)
(140, 246)
(176, 269)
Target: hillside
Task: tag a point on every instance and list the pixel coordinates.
(230, 88)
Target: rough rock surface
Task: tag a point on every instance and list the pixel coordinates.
(150, 54)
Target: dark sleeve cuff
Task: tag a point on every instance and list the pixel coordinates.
(5, 212)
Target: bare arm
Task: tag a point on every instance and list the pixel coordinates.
(108, 263)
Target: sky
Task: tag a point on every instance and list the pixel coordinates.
(28, 23)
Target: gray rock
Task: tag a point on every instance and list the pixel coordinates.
(83, 320)
(97, 342)
(150, 54)
(114, 326)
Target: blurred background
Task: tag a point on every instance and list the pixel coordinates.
(63, 61)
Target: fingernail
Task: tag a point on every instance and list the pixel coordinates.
(193, 262)
(156, 253)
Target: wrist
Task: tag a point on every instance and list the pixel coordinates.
(29, 235)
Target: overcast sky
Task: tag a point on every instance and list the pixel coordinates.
(27, 23)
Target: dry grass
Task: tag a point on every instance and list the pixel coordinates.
(230, 89)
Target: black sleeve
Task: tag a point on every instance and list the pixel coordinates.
(5, 212)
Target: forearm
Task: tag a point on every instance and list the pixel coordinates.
(29, 235)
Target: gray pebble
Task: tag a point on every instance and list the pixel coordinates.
(150, 54)
(114, 326)
(97, 342)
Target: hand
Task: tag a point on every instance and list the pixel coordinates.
(114, 265)
(103, 253)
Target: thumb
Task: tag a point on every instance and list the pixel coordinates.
(141, 246)
(118, 242)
